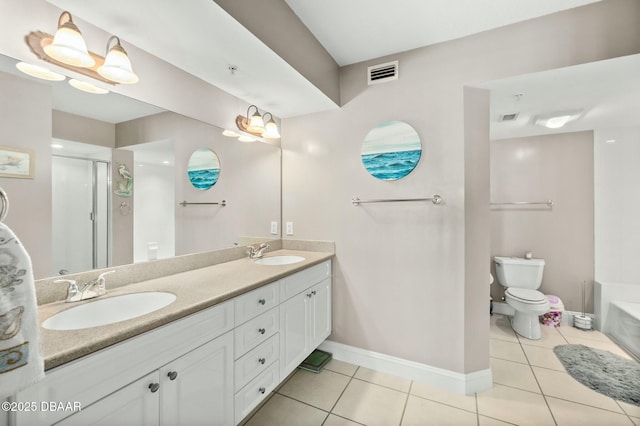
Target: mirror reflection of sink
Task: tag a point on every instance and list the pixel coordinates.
(279, 260)
(108, 311)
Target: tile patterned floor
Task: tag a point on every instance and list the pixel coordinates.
(531, 387)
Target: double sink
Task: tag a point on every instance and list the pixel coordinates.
(128, 306)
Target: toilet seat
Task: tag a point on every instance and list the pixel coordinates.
(528, 296)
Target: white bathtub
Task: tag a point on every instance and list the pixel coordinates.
(617, 313)
(623, 324)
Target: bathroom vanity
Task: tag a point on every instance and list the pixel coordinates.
(234, 333)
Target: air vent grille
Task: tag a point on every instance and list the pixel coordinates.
(509, 117)
(382, 73)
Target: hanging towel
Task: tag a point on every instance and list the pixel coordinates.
(21, 362)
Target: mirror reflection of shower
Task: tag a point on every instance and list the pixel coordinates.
(155, 206)
(81, 199)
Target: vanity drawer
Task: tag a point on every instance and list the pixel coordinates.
(256, 361)
(294, 284)
(255, 331)
(255, 302)
(258, 389)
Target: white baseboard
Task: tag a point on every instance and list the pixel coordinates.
(466, 384)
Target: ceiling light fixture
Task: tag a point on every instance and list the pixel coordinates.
(254, 124)
(39, 72)
(558, 119)
(68, 46)
(117, 66)
(244, 138)
(68, 49)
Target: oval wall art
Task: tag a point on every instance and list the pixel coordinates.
(391, 150)
(203, 168)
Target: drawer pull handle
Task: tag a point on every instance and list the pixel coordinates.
(261, 330)
(313, 292)
(309, 295)
(262, 301)
(154, 387)
(262, 361)
(172, 375)
(262, 390)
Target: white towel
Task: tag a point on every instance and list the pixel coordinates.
(21, 362)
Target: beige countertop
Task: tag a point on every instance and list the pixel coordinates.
(195, 290)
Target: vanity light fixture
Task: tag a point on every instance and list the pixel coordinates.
(39, 72)
(87, 87)
(230, 133)
(558, 119)
(68, 49)
(117, 66)
(244, 138)
(271, 128)
(254, 124)
(68, 46)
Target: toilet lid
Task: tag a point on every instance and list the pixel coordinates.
(526, 295)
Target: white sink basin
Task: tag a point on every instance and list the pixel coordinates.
(279, 260)
(108, 311)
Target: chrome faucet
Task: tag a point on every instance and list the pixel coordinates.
(94, 288)
(256, 253)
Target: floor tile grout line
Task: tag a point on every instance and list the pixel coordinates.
(406, 401)
(342, 393)
(302, 402)
(544, 397)
(589, 405)
(453, 406)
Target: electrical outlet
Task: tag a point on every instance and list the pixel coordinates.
(289, 228)
(274, 228)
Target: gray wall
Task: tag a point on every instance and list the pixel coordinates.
(249, 181)
(404, 276)
(557, 167)
(25, 122)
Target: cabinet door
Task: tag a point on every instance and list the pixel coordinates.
(320, 321)
(135, 404)
(294, 334)
(197, 388)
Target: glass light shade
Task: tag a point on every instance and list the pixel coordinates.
(69, 47)
(117, 67)
(86, 87)
(39, 72)
(271, 130)
(230, 133)
(256, 123)
(244, 138)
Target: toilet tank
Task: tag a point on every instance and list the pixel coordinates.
(518, 272)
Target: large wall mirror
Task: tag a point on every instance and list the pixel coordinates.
(92, 135)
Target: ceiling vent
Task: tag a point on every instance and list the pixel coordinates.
(509, 117)
(382, 73)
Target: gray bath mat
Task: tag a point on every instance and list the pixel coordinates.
(602, 371)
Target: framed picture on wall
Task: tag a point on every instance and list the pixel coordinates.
(17, 163)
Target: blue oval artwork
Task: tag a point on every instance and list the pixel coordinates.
(203, 168)
(391, 150)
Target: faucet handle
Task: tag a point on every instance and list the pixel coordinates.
(72, 291)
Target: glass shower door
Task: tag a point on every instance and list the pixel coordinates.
(80, 214)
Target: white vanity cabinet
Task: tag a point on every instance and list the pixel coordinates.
(256, 347)
(212, 367)
(113, 385)
(305, 315)
(192, 390)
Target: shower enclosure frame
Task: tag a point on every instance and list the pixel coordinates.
(94, 206)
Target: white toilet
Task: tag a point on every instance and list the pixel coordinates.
(521, 277)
